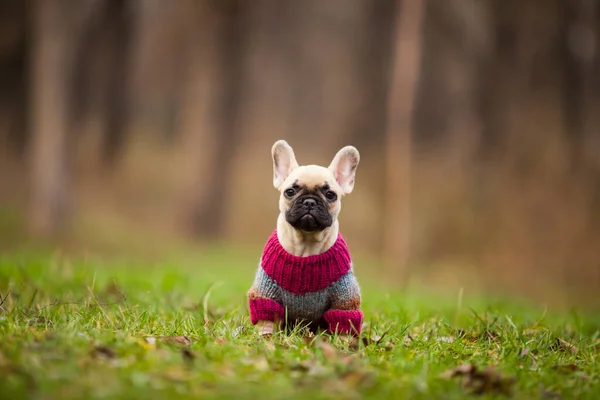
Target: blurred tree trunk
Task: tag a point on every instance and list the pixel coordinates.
(209, 119)
(448, 130)
(507, 75)
(405, 79)
(373, 54)
(582, 85)
(14, 54)
(101, 78)
(53, 33)
(119, 38)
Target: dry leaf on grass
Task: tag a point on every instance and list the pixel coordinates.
(184, 340)
(149, 342)
(369, 340)
(103, 352)
(564, 345)
(40, 321)
(181, 340)
(488, 380)
(238, 331)
(525, 352)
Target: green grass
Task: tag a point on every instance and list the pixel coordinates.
(78, 328)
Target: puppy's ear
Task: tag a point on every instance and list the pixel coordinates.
(344, 166)
(284, 162)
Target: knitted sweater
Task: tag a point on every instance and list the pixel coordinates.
(319, 289)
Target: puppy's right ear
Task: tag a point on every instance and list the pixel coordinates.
(284, 162)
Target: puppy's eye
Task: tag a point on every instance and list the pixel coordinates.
(330, 195)
(290, 193)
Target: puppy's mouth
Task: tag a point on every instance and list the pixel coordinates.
(309, 213)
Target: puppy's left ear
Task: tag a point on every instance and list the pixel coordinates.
(344, 166)
(284, 162)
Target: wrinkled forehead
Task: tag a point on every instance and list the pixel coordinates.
(312, 177)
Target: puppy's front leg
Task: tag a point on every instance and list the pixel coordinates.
(344, 316)
(266, 312)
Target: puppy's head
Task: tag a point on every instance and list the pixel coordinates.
(310, 194)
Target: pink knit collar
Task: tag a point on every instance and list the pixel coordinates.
(305, 274)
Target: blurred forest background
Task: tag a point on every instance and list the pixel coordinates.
(478, 123)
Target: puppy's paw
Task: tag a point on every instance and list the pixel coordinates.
(265, 328)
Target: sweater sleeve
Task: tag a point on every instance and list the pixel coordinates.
(264, 299)
(344, 315)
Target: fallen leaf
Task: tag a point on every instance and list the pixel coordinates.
(103, 352)
(184, 340)
(564, 345)
(369, 340)
(148, 343)
(462, 369)
(238, 331)
(524, 351)
(40, 321)
(488, 380)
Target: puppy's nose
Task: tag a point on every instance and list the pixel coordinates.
(309, 203)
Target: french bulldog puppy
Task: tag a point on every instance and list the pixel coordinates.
(305, 272)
